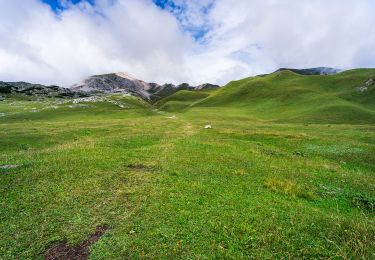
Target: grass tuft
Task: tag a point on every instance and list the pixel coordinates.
(365, 203)
(288, 188)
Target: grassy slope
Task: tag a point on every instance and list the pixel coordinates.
(181, 100)
(246, 188)
(289, 97)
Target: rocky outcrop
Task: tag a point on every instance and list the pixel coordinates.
(368, 85)
(114, 83)
(36, 90)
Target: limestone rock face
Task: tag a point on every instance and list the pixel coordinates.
(114, 83)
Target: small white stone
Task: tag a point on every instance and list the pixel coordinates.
(9, 166)
(208, 126)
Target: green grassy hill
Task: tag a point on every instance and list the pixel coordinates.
(259, 185)
(181, 100)
(289, 97)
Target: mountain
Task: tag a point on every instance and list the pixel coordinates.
(102, 84)
(125, 83)
(114, 83)
(313, 71)
(346, 97)
(282, 96)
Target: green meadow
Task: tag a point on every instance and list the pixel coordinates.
(287, 171)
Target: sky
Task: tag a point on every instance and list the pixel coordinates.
(61, 42)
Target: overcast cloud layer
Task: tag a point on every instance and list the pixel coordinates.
(200, 41)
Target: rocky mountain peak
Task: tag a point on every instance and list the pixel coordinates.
(123, 82)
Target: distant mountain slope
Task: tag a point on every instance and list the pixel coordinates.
(35, 89)
(124, 83)
(102, 84)
(347, 97)
(313, 71)
(114, 83)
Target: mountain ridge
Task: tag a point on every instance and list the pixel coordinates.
(313, 71)
(283, 95)
(32, 89)
(124, 83)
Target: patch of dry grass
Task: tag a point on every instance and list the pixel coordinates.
(288, 187)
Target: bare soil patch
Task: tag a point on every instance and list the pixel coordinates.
(141, 167)
(63, 251)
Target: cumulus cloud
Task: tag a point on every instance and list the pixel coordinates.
(39, 45)
(186, 41)
(257, 36)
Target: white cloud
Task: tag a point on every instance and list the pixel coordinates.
(130, 35)
(262, 35)
(245, 37)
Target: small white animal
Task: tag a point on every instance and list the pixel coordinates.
(208, 126)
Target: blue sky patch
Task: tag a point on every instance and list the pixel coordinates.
(57, 5)
(180, 12)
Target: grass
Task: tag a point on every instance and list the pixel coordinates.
(288, 187)
(181, 100)
(288, 97)
(251, 187)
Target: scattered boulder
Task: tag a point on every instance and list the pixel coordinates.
(7, 167)
(369, 82)
(367, 85)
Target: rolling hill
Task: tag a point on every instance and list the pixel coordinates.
(285, 96)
